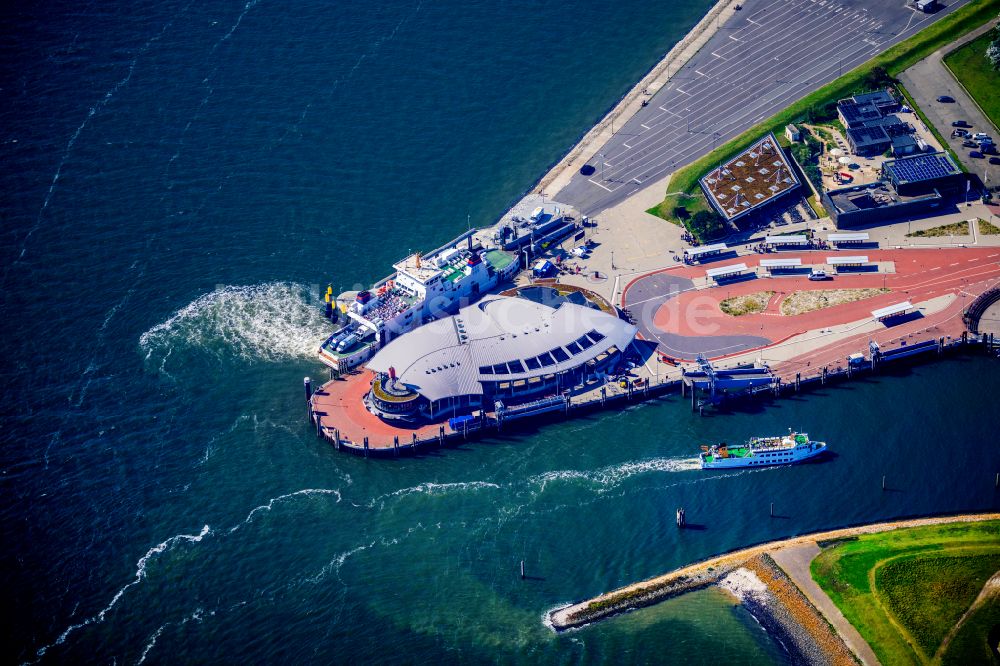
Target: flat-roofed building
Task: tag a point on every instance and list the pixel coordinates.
(865, 140)
(904, 145)
(755, 178)
(503, 348)
(922, 174)
(853, 114)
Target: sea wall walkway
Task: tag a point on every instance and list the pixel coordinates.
(707, 572)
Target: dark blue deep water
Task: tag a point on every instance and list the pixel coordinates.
(179, 179)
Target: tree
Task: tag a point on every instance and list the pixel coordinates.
(681, 212)
(878, 77)
(705, 224)
(993, 51)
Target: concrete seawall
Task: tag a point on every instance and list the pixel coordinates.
(656, 78)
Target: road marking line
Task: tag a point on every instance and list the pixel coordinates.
(627, 146)
(936, 268)
(734, 39)
(601, 186)
(954, 264)
(645, 125)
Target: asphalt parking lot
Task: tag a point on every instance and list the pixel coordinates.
(929, 79)
(765, 57)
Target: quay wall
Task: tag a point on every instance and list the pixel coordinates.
(649, 392)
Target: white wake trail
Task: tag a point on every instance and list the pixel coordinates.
(281, 498)
(140, 574)
(265, 322)
(93, 111)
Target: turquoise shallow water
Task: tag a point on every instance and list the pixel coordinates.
(181, 178)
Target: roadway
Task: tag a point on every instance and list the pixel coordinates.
(765, 57)
(929, 79)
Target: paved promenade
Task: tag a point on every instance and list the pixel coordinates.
(676, 309)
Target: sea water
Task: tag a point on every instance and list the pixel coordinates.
(182, 180)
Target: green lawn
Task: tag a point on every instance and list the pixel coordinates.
(970, 66)
(846, 570)
(894, 60)
(928, 594)
(976, 638)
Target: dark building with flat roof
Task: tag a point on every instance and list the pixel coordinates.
(868, 140)
(875, 203)
(892, 124)
(853, 114)
(922, 174)
(882, 100)
(904, 145)
(863, 108)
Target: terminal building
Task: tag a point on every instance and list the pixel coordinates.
(908, 186)
(503, 349)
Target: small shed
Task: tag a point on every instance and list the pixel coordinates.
(793, 134)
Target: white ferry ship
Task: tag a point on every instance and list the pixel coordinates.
(759, 451)
(423, 288)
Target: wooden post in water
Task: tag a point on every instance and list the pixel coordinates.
(366, 447)
(336, 438)
(798, 381)
(441, 436)
(307, 385)
(522, 569)
(996, 483)
(883, 482)
(395, 445)
(772, 509)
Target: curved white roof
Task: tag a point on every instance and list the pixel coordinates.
(500, 338)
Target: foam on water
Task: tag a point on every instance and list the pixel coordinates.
(266, 322)
(281, 498)
(609, 477)
(140, 574)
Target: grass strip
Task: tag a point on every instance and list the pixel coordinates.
(894, 60)
(956, 229)
(969, 65)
